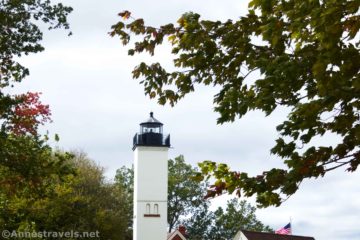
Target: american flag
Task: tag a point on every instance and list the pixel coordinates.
(285, 230)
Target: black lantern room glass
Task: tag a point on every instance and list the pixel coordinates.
(151, 125)
(151, 134)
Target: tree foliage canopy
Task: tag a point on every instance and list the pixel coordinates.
(81, 200)
(28, 165)
(22, 150)
(224, 222)
(236, 216)
(185, 195)
(21, 35)
(303, 55)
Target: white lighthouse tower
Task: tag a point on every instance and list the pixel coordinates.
(150, 181)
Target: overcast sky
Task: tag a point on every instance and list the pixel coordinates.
(97, 106)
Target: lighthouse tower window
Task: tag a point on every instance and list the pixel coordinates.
(156, 208)
(148, 208)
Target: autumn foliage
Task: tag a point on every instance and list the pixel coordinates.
(300, 55)
(28, 114)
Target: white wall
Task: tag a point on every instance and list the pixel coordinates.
(150, 188)
(240, 236)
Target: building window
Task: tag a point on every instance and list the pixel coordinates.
(156, 208)
(148, 208)
(155, 212)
